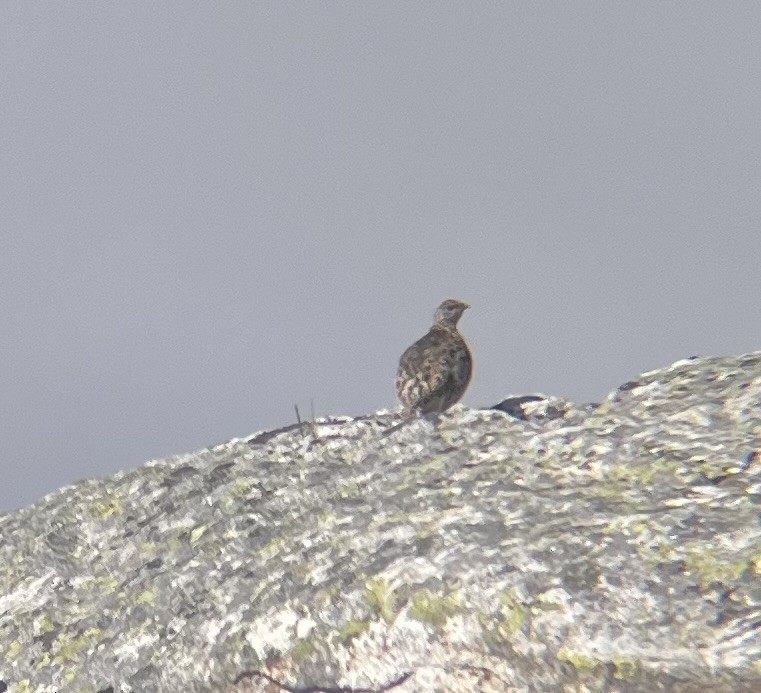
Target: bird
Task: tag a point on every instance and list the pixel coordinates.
(435, 371)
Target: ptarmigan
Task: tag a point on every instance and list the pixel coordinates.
(435, 371)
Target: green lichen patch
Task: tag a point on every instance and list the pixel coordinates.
(13, 651)
(301, 650)
(664, 551)
(45, 661)
(106, 584)
(146, 597)
(353, 629)
(703, 563)
(67, 648)
(580, 662)
(349, 490)
(642, 474)
(44, 624)
(382, 599)
(197, 533)
(513, 615)
(433, 609)
(624, 668)
(241, 488)
(273, 548)
(105, 509)
(502, 626)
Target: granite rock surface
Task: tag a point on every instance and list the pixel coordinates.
(537, 546)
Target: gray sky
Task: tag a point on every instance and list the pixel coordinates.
(211, 211)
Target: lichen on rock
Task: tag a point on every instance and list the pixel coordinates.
(536, 546)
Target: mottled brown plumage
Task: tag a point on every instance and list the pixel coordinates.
(435, 371)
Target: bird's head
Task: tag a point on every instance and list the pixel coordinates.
(449, 312)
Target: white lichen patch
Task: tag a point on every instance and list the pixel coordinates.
(273, 632)
(27, 594)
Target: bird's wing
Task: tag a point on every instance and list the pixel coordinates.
(433, 372)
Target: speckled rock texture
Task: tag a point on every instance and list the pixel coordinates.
(540, 547)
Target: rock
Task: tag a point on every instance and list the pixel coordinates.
(515, 405)
(608, 548)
